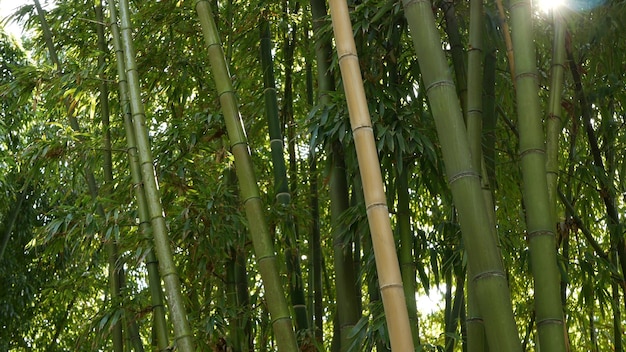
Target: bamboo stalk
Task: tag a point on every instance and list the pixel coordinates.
(375, 200)
(182, 331)
(259, 233)
(160, 328)
(483, 256)
(539, 222)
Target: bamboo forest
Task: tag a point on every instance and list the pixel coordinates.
(312, 175)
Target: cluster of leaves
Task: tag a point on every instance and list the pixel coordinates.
(53, 270)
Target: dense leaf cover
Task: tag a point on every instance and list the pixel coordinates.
(54, 292)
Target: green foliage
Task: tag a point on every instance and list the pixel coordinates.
(53, 279)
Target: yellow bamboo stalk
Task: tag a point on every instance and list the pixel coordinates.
(390, 280)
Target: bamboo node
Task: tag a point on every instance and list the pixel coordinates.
(280, 318)
(362, 126)
(477, 320)
(270, 256)
(445, 82)
(488, 274)
(525, 152)
(540, 233)
(232, 146)
(553, 116)
(279, 140)
(461, 175)
(249, 198)
(343, 56)
(374, 205)
(549, 321)
(219, 94)
(388, 286)
(532, 75)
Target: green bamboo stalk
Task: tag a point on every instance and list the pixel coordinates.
(369, 166)
(115, 282)
(235, 332)
(456, 50)
(323, 53)
(160, 328)
(539, 222)
(182, 331)
(261, 239)
(315, 247)
(553, 122)
(489, 110)
(406, 255)
(283, 195)
(348, 311)
(483, 256)
(345, 277)
(474, 123)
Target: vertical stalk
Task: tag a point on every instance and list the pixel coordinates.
(539, 222)
(385, 254)
(456, 49)
(483, 256)
(281, 185)
(182, 331)
(259, 233)
(553, 122)
(315, 247)
(345, 277)
(115, 283)
(160, 328)
(406, 255)
(474, 123)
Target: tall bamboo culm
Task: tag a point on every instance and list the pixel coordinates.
(261, 240)
(539, 221)
(474, 123)
(554, 122)
(160, 328)
(385, 254)
(489, 279)
(182, 331)
(281, 184)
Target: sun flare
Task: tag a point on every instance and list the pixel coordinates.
(547, 5)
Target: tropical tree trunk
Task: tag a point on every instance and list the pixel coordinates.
(482, 252)
(182, 331)
(387, 266)
(261, 239)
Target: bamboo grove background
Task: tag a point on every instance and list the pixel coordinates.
(190, 175)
